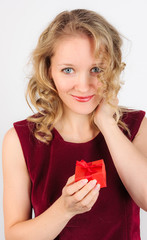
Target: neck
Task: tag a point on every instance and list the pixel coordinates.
(76, 127)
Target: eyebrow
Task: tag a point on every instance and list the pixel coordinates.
(71, 65)
(65, 64)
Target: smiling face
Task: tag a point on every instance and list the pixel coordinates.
(74, 71)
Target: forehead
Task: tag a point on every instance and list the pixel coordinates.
(78, 47)
(74, 43)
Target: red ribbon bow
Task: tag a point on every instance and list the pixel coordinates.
(91, 170)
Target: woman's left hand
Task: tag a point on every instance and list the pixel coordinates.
(104, 113)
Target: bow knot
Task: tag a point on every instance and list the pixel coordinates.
(91, 167)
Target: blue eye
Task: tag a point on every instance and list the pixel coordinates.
(67, 70)
(95, 70)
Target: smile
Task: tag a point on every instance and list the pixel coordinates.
(83, 99)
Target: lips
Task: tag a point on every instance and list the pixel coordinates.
(83, 99)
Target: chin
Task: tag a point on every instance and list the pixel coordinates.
(84, 110)
(81, 108)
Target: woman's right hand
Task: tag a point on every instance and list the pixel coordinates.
(79, 197)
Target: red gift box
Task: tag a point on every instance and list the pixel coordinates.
(91, 170)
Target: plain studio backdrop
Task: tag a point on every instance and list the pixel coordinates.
(21, 23)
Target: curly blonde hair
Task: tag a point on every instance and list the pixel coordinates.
(41, 89)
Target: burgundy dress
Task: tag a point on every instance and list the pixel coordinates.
(115, 216)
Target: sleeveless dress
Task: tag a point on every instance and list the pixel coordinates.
(115, 216)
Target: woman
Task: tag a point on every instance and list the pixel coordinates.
(74, 87)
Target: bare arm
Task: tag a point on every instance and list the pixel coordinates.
(130, 159)
(76, 198)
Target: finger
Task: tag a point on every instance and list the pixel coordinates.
(75, 187)
(114, 102)
(92, 202)
(91, 197)
(85, 190)
(71, 180)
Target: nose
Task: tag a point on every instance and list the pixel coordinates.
(83, 83)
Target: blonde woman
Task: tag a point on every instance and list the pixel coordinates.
(74, 86)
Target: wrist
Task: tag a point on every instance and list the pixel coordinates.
(106, 124)
(63, 210)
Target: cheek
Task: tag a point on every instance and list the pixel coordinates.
(63, 85)
(99, 85)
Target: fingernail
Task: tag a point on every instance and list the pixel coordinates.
(97, 187)
(84, 181)
(93, 182)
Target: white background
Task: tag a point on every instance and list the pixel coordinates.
(22, 21)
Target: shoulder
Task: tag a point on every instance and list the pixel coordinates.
(133, 120)
(130, 115)
(142, 130)
(143, 126)
(10, 136)
(11, 140)
(140, 140)
(25, 132)
(12, 155)
(14, 141)
(24, 125)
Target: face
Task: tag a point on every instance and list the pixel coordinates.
(74, 71)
